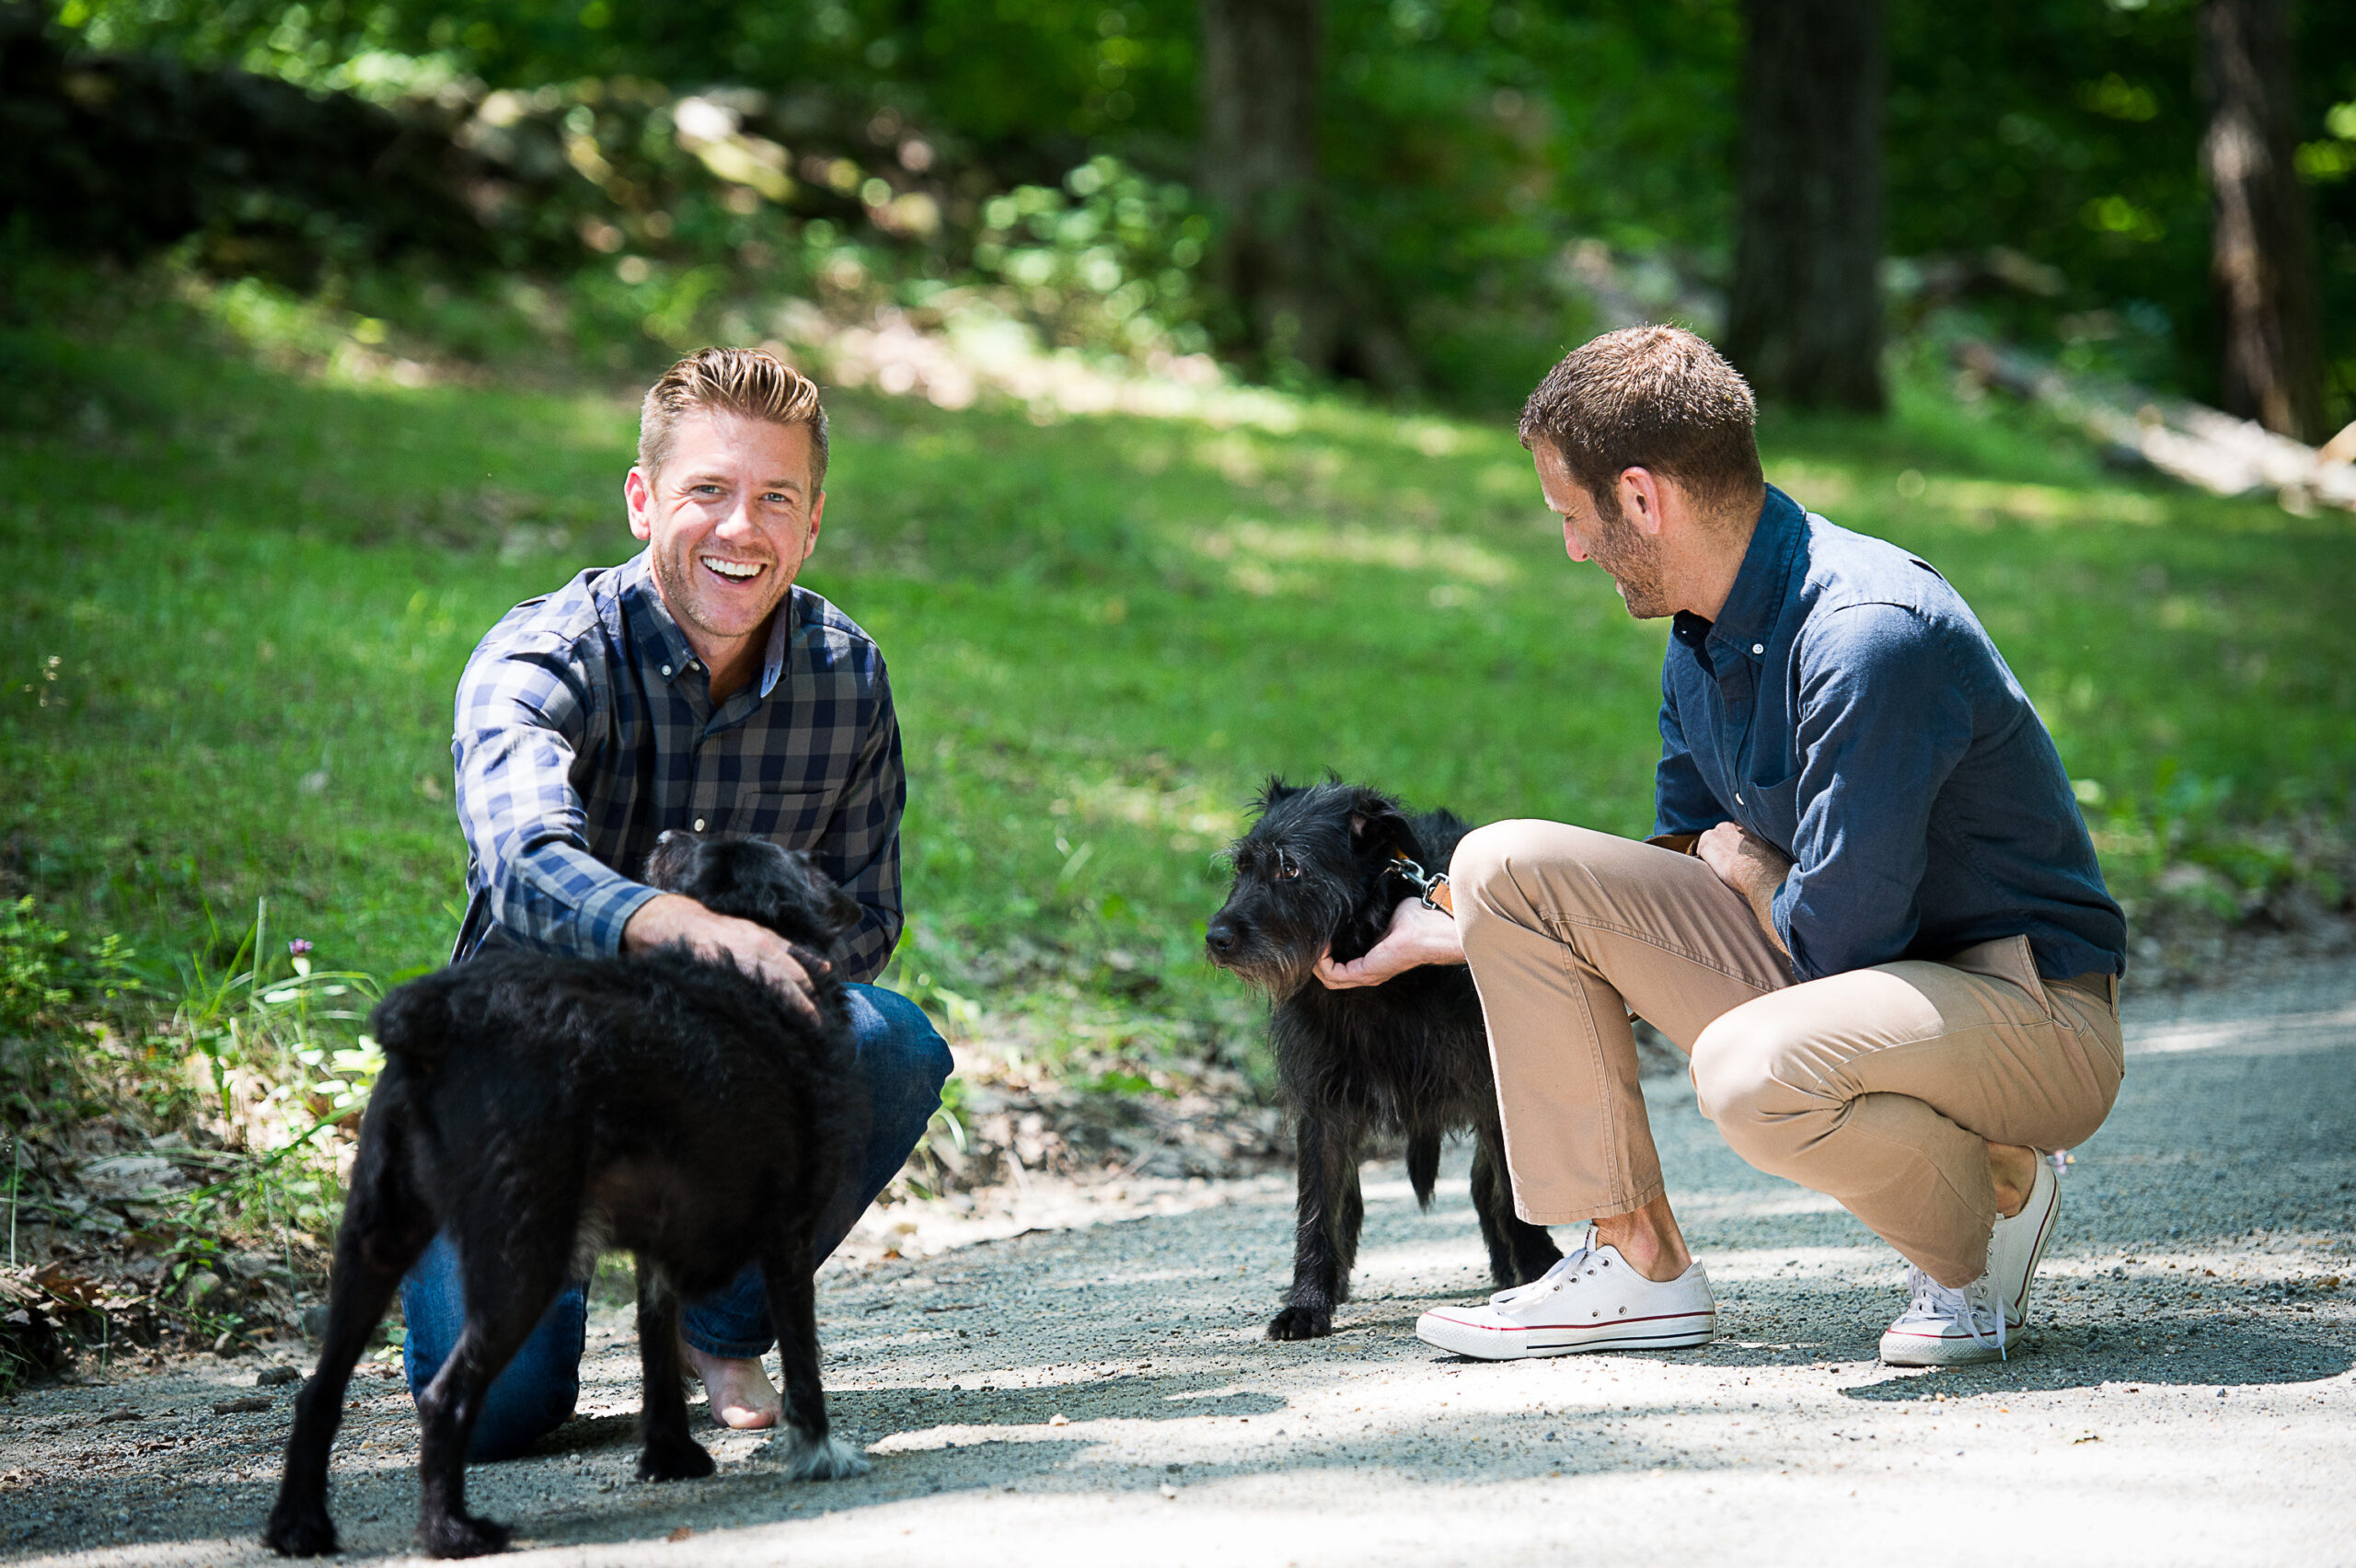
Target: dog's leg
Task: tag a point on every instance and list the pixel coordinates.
(385, 1227)
(666, 1450)
(1519, 1250)
(508, 1288)
(1349, 1210)
(1317, 1265)
(813, 1452)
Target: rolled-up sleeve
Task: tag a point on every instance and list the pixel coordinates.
(524, 713)
(860, 846)
(1681, 802)
(1884, 718)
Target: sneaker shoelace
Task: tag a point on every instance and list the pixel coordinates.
(1551, 1280)
(1963, 1306)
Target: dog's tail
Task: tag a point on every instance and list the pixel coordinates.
(1422, 1166)
(413, 1022)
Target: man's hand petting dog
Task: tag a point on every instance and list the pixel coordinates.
(1418, 935)
(671, 919)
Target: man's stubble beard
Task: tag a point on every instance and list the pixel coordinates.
(1633, 563)
(679, 597)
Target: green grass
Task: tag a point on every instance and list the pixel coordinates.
(239, 590)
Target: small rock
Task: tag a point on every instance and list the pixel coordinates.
(314, 1322)
(228, 1344)
(125, 1413)
(1167, 1490)
(245, 1404)
(1060, 1419)
(276, 1376)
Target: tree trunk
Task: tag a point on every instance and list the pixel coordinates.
(1259, 79)
(1804, 322)
(2261, 252)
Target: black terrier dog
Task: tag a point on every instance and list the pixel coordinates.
(1321, 870)
(542, 1109)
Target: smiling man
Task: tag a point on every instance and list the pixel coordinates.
(696, 686)
(1868, 909)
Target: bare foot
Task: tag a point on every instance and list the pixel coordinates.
(740, 1392)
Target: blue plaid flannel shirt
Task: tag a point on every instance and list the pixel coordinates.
(586, 728)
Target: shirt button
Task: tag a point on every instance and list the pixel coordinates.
(1738, 800)
(666, 669)
(1758, 648)
(699, 824)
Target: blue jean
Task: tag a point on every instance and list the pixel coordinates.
(903, 1063)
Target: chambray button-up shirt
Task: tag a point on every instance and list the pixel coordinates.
(586, 728)
(1847, 707)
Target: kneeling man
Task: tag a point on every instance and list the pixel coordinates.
(695, 688)
(1869, 910)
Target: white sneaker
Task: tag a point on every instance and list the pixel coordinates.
(1945, 1327)
(2017, 1245)
(1591, 1300)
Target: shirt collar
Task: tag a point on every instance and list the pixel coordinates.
(781, 627)
(653, 628)
(1755, 602)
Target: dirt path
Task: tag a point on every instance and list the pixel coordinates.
(1097, 1389)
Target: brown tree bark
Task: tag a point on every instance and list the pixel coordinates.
(1804, 320)
(1261, 63)
(2261, 249)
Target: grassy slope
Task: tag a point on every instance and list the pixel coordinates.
(257, 587)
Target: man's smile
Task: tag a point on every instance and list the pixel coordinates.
(733, 570)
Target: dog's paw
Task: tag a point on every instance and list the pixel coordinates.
(684, 1461)
(827, 1459)
(463, 1535)
(1302, 1323)
(299, 1532)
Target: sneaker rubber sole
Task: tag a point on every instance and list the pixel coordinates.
(1901, 1349)
(1451, 1330)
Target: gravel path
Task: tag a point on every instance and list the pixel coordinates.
(1079, 1377)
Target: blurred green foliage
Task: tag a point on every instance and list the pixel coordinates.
(1467, 142)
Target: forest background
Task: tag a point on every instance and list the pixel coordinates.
(1172, 348)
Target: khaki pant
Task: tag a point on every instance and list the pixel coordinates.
(1875, 1087)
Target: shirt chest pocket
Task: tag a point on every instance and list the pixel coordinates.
(1771, 811)
(793, 818)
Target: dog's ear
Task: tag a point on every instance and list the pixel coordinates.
(843, 911)
(1377, 827)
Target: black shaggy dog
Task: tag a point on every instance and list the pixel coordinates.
(1321, 870)
(543, 1107)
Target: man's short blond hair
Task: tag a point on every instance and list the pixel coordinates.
(751, 382)
(1655, 398)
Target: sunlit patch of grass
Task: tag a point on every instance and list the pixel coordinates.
(258, 588)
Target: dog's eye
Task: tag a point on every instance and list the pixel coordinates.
(1286, 870)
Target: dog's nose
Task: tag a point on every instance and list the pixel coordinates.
(1222, 937)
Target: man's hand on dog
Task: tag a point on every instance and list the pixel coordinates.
(671, 917)
(1417, 936)
(1751, 865)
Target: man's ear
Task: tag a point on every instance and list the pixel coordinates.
(637, 492)
(817, 512)
(1642, 497)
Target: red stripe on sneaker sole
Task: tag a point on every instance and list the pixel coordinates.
(1599, 1325)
